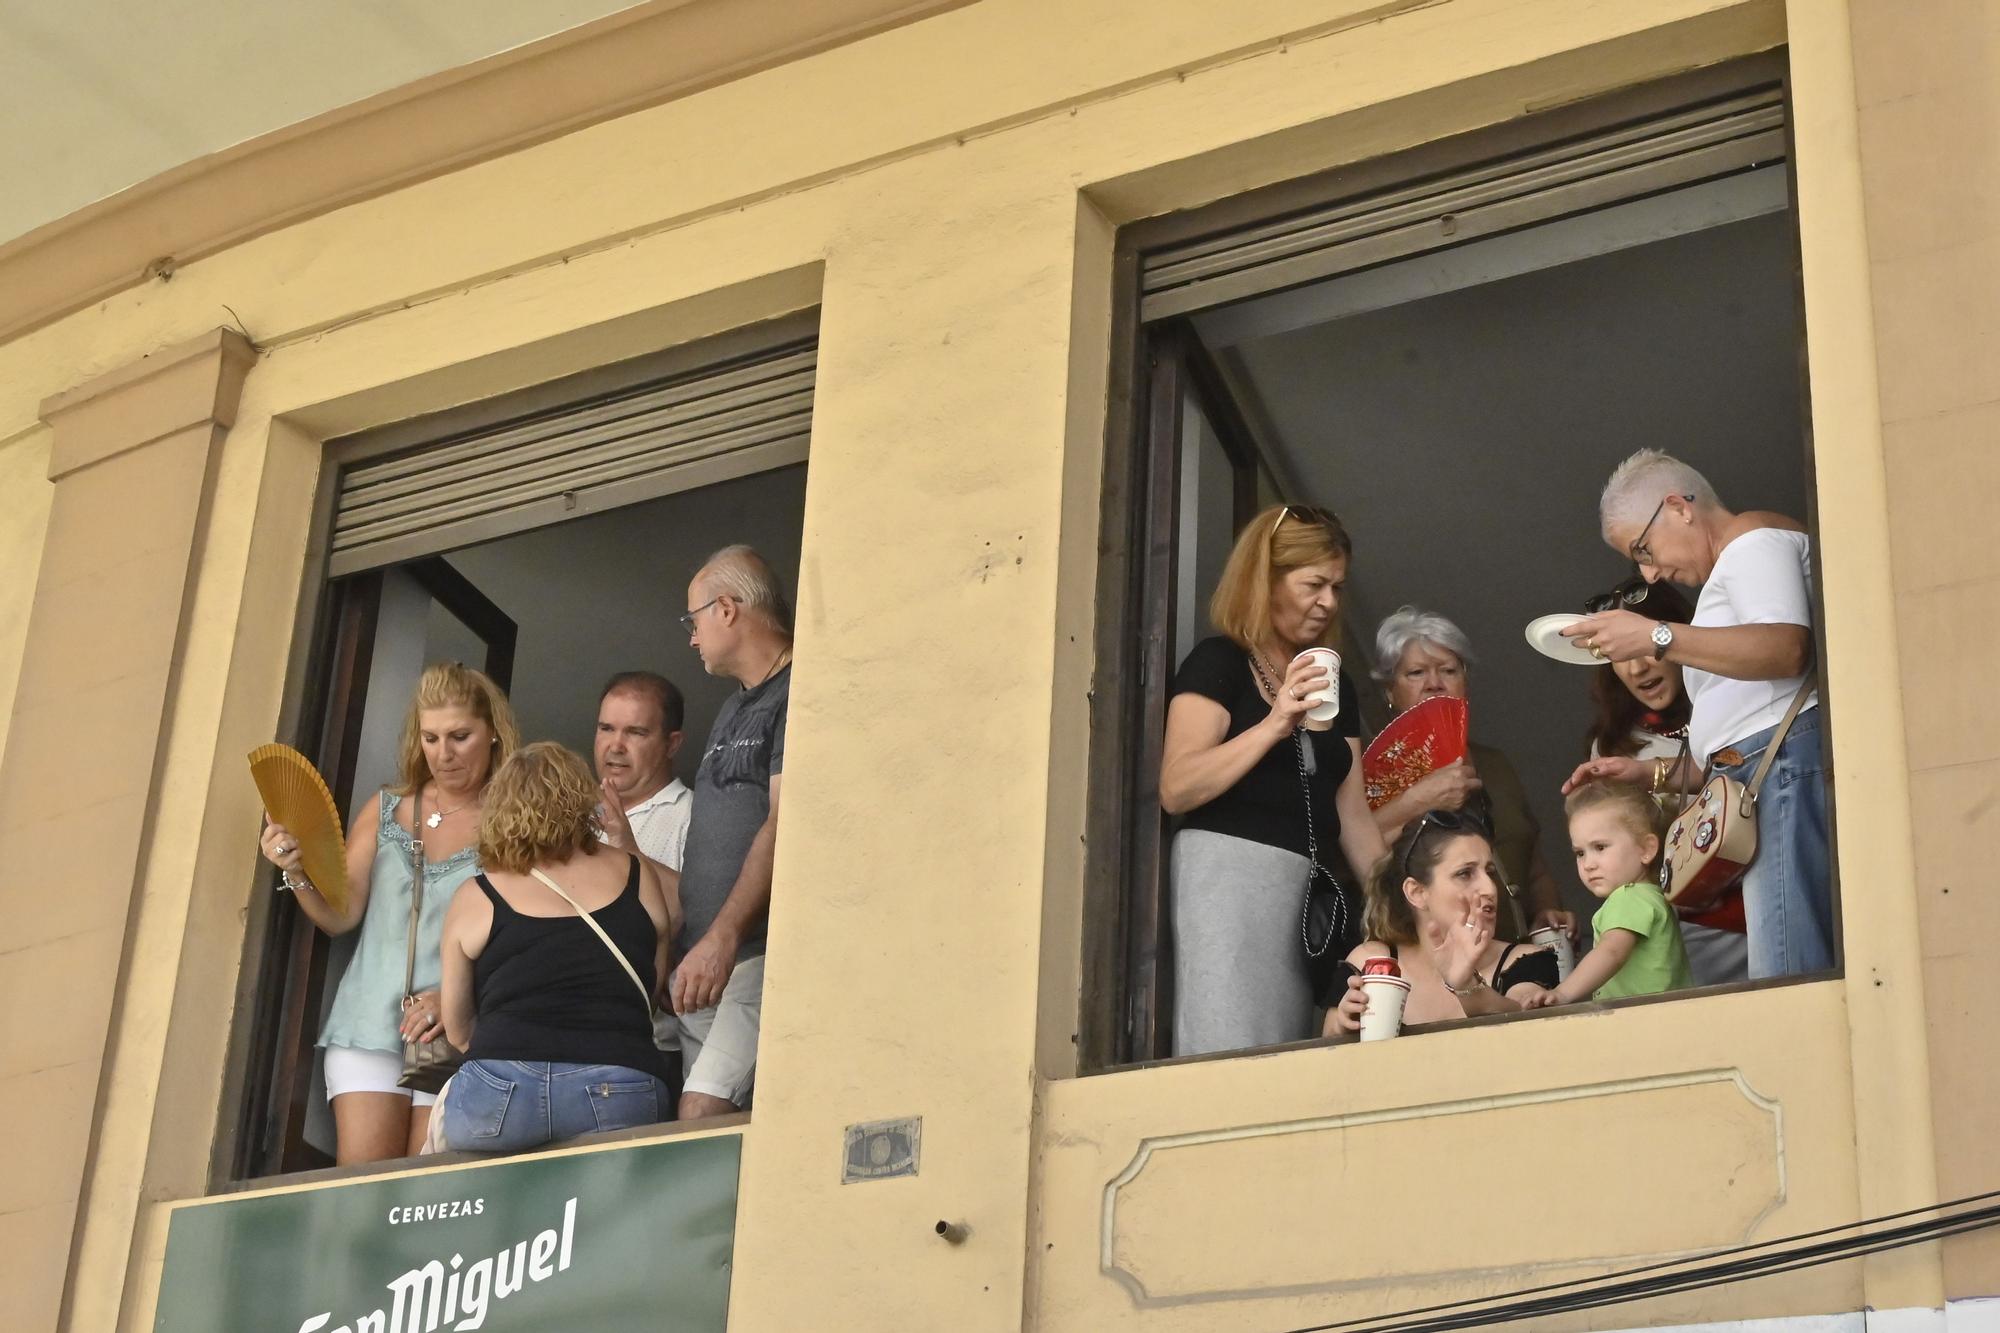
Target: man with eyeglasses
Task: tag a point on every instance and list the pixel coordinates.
(1744, 657)
(740, 622)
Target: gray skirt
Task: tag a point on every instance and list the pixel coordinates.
(1239, 961)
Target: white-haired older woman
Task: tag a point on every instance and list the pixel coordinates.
(1420, 655)
(1744, 657)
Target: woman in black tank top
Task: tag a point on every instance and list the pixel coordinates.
(554, 1017)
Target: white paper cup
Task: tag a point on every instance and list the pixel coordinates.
(1557, 940)
(1383, 1018)
(1328, 699)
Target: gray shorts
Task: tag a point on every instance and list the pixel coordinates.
(719, 1045)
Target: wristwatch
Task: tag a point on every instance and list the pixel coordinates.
(1663, 639)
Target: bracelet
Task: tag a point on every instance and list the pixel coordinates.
(285, 881)
(1477, 982)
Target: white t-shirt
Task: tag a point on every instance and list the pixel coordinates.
(660, 824)
(1763, 577)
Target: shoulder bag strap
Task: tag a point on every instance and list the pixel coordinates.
(1778, 737)
(616, 952)
(1314, 870)
(416, 884)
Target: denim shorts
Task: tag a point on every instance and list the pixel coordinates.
(510, 1105)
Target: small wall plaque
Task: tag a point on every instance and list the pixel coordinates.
(881, 1149)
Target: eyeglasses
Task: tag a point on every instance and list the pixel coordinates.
(1629, 593)
(1451, 821)
(1641, 553)
(687, 621)
(1326, 518)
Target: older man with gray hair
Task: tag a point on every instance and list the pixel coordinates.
(740, 622)
(1744, 658)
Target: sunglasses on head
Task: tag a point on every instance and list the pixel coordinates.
(1451, 821)
(1325, 518)
(1629, 593)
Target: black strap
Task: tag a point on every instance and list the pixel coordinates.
(1341, 923)
(1501, 966)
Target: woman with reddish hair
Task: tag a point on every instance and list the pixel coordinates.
(1257, 786)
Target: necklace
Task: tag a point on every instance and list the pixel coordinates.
(1260, 666)
(436, 817)
(784, 656)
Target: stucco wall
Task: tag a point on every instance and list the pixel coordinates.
(25, 494)
(924, 936)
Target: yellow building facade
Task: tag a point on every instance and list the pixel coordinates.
(945, 185)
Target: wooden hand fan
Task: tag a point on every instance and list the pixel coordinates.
(295, 795)
(1419, 741)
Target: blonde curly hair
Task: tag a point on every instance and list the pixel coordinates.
(453, 685)
(541, 806)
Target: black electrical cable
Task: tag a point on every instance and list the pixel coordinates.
(1669, 1287)
(1693, 1282)
(1693, 1279)
(1356, 1324)
(1596, 1293)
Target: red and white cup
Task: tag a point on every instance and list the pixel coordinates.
(1383, 1018)
(1326, 701)
(1557, 940)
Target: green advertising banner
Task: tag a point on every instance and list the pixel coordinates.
(633, 1238)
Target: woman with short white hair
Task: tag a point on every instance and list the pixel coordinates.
(1421, 655)
(1744, 658)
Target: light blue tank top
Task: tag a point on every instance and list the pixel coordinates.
(367, 1009)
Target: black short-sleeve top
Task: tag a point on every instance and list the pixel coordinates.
(1266, 804)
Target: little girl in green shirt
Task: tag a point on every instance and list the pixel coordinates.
(1637, 949)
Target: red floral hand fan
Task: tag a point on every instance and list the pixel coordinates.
(1419, 741)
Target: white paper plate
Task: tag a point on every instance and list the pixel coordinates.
(1545, 637)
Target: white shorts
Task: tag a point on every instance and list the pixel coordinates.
(719, 1045)
(350, 1069)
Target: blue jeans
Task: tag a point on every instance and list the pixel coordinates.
(509, 1105)
(1788, 892)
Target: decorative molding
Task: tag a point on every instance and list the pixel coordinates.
(1108, 1261)
(196, 383)
(640, 57)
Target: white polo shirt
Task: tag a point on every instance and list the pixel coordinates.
(1763, 577)
(660, 824)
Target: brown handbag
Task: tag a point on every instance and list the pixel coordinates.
(1714, 838)
(426, 1064)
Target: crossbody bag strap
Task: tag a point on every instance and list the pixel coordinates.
(616, 952)
(1778, 738)
(416, 885)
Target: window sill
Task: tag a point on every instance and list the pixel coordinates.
(1486, 1020)
(670, 1129)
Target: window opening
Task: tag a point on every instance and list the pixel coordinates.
(1452, 349)
(549, 540)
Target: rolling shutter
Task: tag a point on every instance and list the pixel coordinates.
(674, 433)
(1656, 153)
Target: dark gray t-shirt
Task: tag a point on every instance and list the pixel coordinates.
(732, 798)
